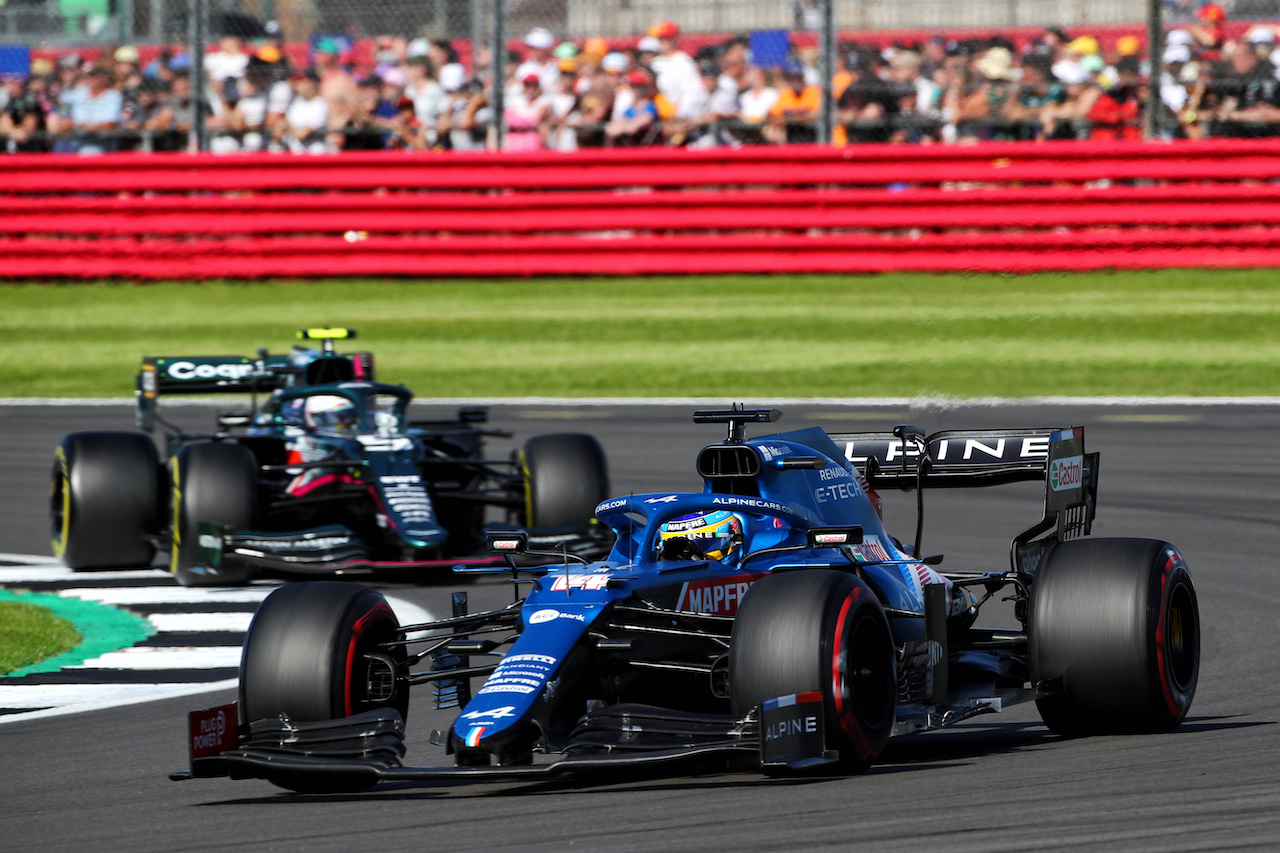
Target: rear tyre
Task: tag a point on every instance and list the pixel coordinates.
(1116, 621)
(819, 630)
(565, 479)
(214, 482)
(104, 500)
(306, 655)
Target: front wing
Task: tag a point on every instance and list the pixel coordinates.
(355, 753)
(335, 549)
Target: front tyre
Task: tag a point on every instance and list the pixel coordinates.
(1115, 631)
(565, 479)
(318, 651)
(104, 500)
(819, 630)
(322, 650)
(217, 483)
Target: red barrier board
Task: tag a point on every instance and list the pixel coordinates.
(1007, 207)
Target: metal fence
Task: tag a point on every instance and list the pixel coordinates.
(93, 22)
(872, 71)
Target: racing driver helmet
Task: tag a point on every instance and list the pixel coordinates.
(701, 536)
(332, 413)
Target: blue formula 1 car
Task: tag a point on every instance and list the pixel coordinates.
(769, 620)
(329, 475)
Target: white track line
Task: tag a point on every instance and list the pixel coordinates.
(144, 595)
(29, 560)
(151, 658)
(200, 622)
(55, 573)
(53, 700)
(75, 698)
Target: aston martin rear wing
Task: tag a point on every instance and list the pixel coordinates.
(233, 374)
(952, 458)
(212, 374)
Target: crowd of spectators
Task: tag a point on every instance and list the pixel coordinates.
(565, 95)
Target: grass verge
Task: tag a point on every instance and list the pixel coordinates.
(29, 634)
(1167, 332)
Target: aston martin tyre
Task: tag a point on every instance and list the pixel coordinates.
(215, 483)
(1115, 631)
(105, 500)
(565, 479)
(818, 630)
(317, 651)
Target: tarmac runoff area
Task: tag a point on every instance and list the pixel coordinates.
(194, 635)
(144, 637)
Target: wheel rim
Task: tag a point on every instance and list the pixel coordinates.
(59, 505)
(375, 628)
(871, 680)
(1182, 639)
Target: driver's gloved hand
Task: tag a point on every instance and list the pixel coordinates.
(680, 548)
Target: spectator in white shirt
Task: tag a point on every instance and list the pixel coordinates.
(307, 117)
(540, 61)
(230, 61)
(263, 103)
(758, 99)
(675, 73)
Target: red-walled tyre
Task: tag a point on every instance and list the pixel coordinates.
(1115, 632)
(307, 654)
(819, 630)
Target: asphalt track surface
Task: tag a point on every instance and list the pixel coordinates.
(1203, 478)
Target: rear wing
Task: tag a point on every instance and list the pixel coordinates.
(212, 374)
(907, 458)
(952, 458)
(233, 374)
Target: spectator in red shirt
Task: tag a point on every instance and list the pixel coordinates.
(637, 122)
(1208, 33)
(407, 132)
(1117, 112)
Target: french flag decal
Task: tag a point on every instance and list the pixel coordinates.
(473, 736)
(793, 699)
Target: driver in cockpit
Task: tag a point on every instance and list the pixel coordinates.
(716, 535)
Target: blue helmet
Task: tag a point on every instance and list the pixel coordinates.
(701, 536)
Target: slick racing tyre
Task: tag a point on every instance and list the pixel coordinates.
(818, 630)
(1115, 632)
(105, 500)
(565, 479)
(306, 654)
(214, 482)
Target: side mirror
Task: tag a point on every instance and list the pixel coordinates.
(508, 541)
(833, 537)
